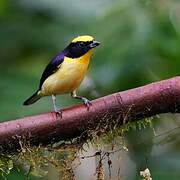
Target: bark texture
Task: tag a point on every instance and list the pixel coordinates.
(122, 107)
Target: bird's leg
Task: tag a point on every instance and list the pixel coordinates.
(86, 102)
(57, 111)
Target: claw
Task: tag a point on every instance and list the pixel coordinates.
(87, 103)
(58, 114)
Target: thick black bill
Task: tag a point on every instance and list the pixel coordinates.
(94, 44)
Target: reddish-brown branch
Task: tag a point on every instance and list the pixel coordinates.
(122, 107)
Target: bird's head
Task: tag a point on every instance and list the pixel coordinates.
(80, 46)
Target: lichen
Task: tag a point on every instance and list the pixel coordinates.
(6, 164)
(34, 161)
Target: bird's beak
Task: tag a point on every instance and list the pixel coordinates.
(94, 44)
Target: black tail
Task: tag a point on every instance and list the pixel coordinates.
(32, 99)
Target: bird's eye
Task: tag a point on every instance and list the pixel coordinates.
(81, 44)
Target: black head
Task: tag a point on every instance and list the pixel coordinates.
(79, 48)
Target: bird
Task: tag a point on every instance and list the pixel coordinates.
(65, 72)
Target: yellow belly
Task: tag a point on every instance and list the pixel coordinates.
(68, 77)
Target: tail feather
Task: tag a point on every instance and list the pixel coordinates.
(35, 97)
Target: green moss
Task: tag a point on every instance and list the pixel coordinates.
(34, 161)
(6, 164)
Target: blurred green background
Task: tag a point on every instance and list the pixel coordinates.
(140, 43)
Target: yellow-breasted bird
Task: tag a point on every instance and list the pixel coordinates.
(66, 71)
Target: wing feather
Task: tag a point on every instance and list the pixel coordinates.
(51, 68)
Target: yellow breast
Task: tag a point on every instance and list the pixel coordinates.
(68, 77)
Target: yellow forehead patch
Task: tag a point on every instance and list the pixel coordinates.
(83, 38)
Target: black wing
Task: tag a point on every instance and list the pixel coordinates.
(51, 68)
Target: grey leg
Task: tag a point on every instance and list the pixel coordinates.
(86, 102)
(58, 112)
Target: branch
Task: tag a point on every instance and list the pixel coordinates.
(119, 108)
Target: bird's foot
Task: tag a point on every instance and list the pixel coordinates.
(87, 103)
(58, 114)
